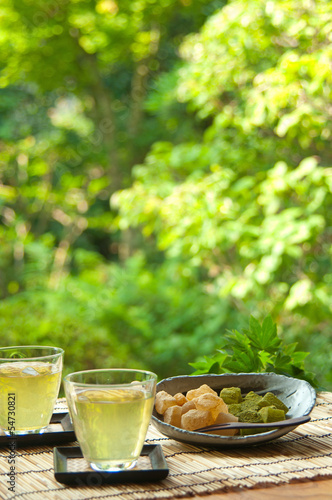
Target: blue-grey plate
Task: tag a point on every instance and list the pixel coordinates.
(298, 395)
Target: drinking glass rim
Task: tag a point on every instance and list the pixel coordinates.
(119, 384)
(57, 351)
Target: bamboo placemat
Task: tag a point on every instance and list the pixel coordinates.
(304, 454)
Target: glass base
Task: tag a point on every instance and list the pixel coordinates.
(24, 432)
(112, 466)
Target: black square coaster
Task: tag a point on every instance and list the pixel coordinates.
(59, 431)
(151, 467)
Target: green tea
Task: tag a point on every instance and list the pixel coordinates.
(111, 425)
(28, 391)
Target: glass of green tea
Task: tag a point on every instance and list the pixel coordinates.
(30, 378)
(111, 411)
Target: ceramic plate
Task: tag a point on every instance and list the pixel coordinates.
(297, 395)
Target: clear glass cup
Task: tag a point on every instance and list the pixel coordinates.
(111, 410)
(30, 378)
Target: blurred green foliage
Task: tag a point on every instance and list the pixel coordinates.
(165, 172)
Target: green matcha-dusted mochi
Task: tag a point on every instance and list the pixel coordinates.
(271, 400)
(231, 395)
(250, 404)
(271, 414)
(252, 396)
(250, 416)
(235, 409)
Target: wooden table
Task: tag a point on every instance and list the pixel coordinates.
(315, 490)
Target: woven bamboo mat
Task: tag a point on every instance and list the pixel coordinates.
(304, 454)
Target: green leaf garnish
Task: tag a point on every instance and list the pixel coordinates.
(256, 350)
